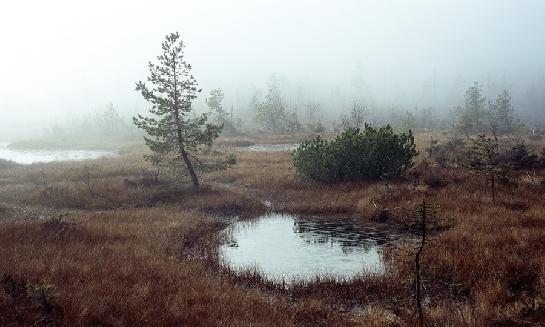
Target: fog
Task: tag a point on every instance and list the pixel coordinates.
(59, 59)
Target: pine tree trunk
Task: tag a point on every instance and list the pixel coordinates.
(183, 154)
(181, 145)
(190, 169)
(418, 287)
(493, 179)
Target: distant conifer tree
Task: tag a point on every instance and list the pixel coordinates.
(501, 115)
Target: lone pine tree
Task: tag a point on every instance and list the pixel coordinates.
(171, 133)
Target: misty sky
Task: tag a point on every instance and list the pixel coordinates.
(60, 58)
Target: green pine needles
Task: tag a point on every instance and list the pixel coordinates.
(172, 135)
(372, 153)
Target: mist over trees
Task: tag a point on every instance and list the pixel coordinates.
(106, 126)
(421, 62)
(412, 76)
(501, 115)
(218, 113)
(286, 109)
(272, 112)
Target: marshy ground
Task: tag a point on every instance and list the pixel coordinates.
(96, 243)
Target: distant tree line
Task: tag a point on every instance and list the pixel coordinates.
(107, 125)
(476, 116)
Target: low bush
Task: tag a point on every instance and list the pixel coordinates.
(455, 153)
(522, 158)
(372, 153)
(23, 303)
(231, 159)
(449, 154)
(435, 180)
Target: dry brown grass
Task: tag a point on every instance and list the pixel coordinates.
(147, 254)
(134, 267)
(264, 138)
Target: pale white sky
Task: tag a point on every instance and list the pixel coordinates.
(58, 57)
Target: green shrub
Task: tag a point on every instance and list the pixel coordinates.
(231, 159)
(356, 155)
(449, 154)
(522, 158)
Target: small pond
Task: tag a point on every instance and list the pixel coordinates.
(33, 156)
(287, 247)
(270, 147)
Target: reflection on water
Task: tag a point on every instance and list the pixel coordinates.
(33, 156)
(291, 246)
(270, 147)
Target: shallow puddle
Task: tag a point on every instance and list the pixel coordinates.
(270, 147)
(287, 247)
(33, 156)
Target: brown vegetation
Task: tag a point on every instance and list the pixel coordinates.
(147, 254)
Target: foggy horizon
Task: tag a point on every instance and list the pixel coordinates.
(62, 59)
(272, 163)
